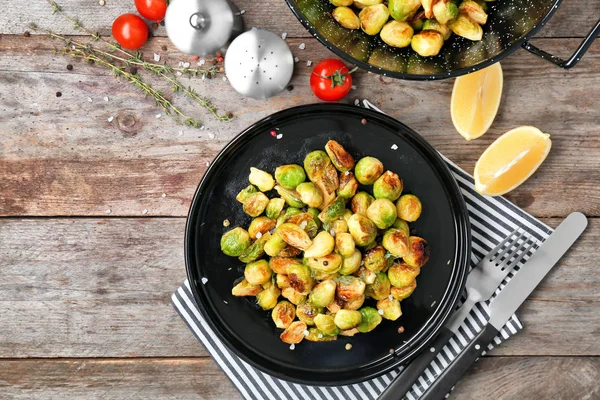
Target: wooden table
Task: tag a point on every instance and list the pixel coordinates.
(93, 212)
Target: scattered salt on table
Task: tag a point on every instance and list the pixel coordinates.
(156, 57)
(204, 280)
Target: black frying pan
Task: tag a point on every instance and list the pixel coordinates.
(248, 330)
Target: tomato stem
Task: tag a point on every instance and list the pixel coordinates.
(337, 78)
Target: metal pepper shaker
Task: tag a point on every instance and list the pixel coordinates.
(201, 27)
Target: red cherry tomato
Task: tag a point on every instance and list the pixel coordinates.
(153, 10)
(331, 80)
(130, 31)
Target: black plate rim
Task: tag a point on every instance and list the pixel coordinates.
(455, 288)
(422, 77)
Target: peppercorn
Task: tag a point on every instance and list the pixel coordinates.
(58, 94)
(290, 88)
(163, 47)
(26, 34)
(69, 67)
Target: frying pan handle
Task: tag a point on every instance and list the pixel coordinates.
(566, 64)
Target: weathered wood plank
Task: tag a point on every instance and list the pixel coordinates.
(500, 378)
(101, 288)
(573, 19)
(61, 156)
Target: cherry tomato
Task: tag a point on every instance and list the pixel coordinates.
(130, 31)
(153, 10)
(331, 80)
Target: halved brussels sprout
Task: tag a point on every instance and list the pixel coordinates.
(322, 245)
(346, 17)
(409, 207)
(375, 259)
(339, 3)
(315, 163)
(323, 294)
(282, 281)
(362, 230)
(258, 272)
(473, 10)
(310, 194)
(267, 299)
(235, 242)
(404, 292)
(372, 19)
(255, 250)
(290, 176)
(300, 278)
(283, 314)
(467, 28)
(368, 170)
(388, 186)
(291, 197)
(289, 251)
(347, 319)
(345, 244)
(396, 242)
(338, 226)
(367, 276)
(402, 225)
(246, 289)
(336, 306)
(275, 207)
(262, 180)
(370, 318)
(348, 185)
(397, 34)
(403, 10)
(245, 192)
(418, 252)
(326, 324)
(382, 212)
(354, 304)
(351, 264)
(329, 264)
(333, 211)
(339, 157)
(260, 225)
(294, 235)
(307, 312)
(294, 333)
(402, 275)
(274, 245)
(255, 204)
(391, 308)
(322, 173)
(306, 222)
(293, 296)
(380, 288)
(427, 43)
(432, 24)
(361, 202)
(350, 288)
(445, 11)
(315, 335)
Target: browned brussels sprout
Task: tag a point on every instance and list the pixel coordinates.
(397, 34)
(329, 264)
(260, 225)
(293, 296)
(350, 288)
(362, 230)
(261, 179)
(235, 242)
(396, 242)
(347, 319)
(245, 289)
(310, 194)
(274, 245)
(467, 28)
(322, 173)
(245, 192)
(380, 289)
(348, 185)
(307, 312)
(403, 10)
(382, 212)
(258, 272)
(369, 320)
(291, 197)
(283, 314)
(275, 207)
(255, 250)
(345, 244)
(267, 299)
(338, 226)
(375, 259)
(367, 170)
(306, 222)
(282, 281)
(474, 10)
(402, 225)
(289, 251)
(255, 204)
(315, 335)
(404, 292)
(354, 304)
(339, 157)
(351, 264)
(294, 235)
(388, 186)
(333, 211)
(418, 252)
(390, 307)
(300, 278)
(323, 294)
(372, 19)
(294, 333)
(409, 207)
(336, 306)
(361, 202)
(445, 11)
(402, 275)
(326, 324)
(290, 176)
(427, 43)
(432, 24)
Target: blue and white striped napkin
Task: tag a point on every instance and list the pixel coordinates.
(492, 219)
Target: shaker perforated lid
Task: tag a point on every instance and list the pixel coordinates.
(259, 64)
(201, 27)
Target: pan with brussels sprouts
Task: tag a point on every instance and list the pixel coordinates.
(323, 257)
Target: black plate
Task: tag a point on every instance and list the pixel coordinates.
(249, 331)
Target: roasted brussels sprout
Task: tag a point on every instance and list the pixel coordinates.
(382, 212)
(293, 296)
(397, 34)
(375, 259)
(333, 211)
(260, 225)
(467, 28)
(275, 207)
(339, 157)
(258, 272)
(300, 278)
(294, 333)
(235, 241)
(274, 245)
(427, 43)
(323, 294)
(402, 274)
(347, 319)
(294, 235)
(255, 204)
(344, 3)
(291, 197)
(282, 281)
(315, 335)
(350, 288)
(322, 173)
(354, 304)
(445, 11)
(322, 245)
(368, 170)
(372, 19)
(306, 222)
(283, 314)
(315, 163)
(261, 179)
(307, 312)
(362, 230)
(380, 288)
(402, 293)
(351, 264)
(474, 10)
(289, 251)
(290, 176)
(310, 194)
(338, 226)
(418, 252)
(255, 250)
(388, 186)
(348, 185)
(246, 289)
(432, 24)
(335, 306)
(345, 244)
(402, 225)
(329, 264)
(326, 324)
(403, 10)
(409, 207)
(396, 242)
(370, 318)
(390, 307)
(267, 299)
(280, 265)
(245, 192)
(367, 276)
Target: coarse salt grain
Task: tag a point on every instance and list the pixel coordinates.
(296, 59)
(110, 119)
(353, 87)
(224, 79)
(225, 301)
(105, 98)
(433, 304)
(204, 280)
(284, 35)
(292, 346)
(211, 135)
(156, 57)
(242, 12)
(302, 46)
(145, 211)
(207, 163)
(179, 73)
(380, 312)
(185, 65)
(303, 224)
(394, 147)
(202, 128)
(332, 232)
(163, 195)
(89, 99)
(308, 63)
(391, 297)
(180, 133)
(258, 235)
(320, 336)
(356, 102)
(107, 211)
(202, 62)
(158, 115)
(279, 136)
(305, 333)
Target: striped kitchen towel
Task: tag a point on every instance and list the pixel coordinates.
(492, 219)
